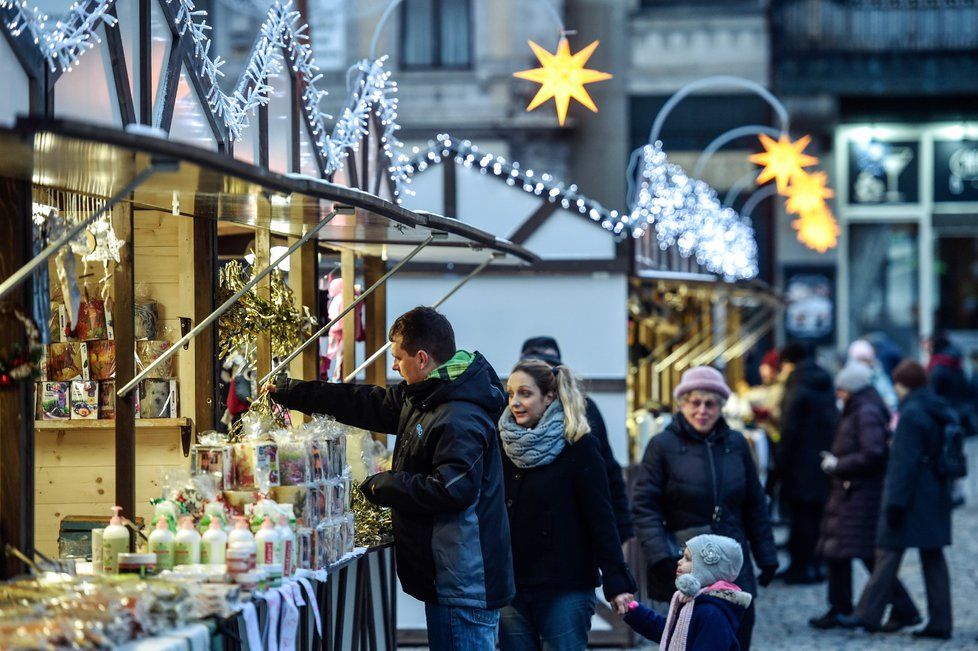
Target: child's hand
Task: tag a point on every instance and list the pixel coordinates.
(620, 603)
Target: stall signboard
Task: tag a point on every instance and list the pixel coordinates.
(884, 173)
(955, 170)
(810, 295)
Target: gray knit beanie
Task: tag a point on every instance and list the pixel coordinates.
(715, 558)
(854, 376)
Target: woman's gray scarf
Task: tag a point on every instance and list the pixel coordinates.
(537, 446)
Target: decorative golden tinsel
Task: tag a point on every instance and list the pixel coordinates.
(278, 315)
(265, 410)
(372, 524)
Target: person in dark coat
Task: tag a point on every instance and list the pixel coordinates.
(561, 523)
(947, 379)
(696, 477)
(856, 465)
(916, 506)
(706, 610)
(808, 420)
(546, 348)
(445, 487)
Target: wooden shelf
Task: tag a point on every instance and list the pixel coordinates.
(141, 423)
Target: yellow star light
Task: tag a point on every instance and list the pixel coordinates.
(782, 159)
(562, 75)
(817, 229)
(807, 192)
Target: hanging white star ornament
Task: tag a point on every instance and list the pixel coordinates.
(562, 76)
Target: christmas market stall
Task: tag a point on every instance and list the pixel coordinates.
(127, 178)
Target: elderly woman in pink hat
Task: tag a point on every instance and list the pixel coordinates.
(698, 477)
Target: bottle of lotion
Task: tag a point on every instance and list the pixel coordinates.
(214, 544)
(266, 540)
(287, 545)
(115, 541)
(241, 535)
(161, 543)
(186, 548)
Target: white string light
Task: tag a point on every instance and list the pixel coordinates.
(62, 43)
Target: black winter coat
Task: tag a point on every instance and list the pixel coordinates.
(445, 488)
(616, 482)
(851, 515)
(808, 421)
(687, 480)
(911, 481)
(562, 525)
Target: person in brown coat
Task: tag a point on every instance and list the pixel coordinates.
(856, 466)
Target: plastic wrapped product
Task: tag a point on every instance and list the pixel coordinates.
(302, 498)
(213, 460)
(106, 400)
(158, 398)
(101, 359)
(55, 400)
(91, 320)
(148, 351)
(293, 461)
(84, 400)
(68, 361)
(349, 531)
(305, 547)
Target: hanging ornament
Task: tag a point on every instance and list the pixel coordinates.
(562, 76)
(782, 159)
(807, 192)
(19, 360)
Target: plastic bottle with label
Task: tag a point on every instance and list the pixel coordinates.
(242, 537)
(286, 545)
(115, 541)
(266, 540)
(186, 547)
(161, 543)
(213, 547)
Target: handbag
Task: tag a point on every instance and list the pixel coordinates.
(677, 539)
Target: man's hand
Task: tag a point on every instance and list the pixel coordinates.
(829, 462)
(369, 487)
(620, 603)
(269, 387)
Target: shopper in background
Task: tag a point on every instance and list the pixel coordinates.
(546, 349)
(862, 351)
(560, 516)
(947, 379)
(445, 489)
(698, 477)
(916, 507)
(808, 420)
(856, 465)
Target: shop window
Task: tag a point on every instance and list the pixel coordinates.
(884, 288)
(436, 34)
(956, 263)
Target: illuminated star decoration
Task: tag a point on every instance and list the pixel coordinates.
(782, 159)
(562, 76)
(817, 229)
(807, 192)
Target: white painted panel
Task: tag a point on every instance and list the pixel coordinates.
(246, 147)
(87, 91)
(566, 235)
(280, 120)
(15, 99)
(487, 202)
(189, 120)
(425, 191)
(615, 413)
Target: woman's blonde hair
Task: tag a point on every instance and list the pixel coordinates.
(561, 381)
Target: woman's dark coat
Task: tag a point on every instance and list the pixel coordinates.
(562, 525)
(674, 490)
(851, 515)
(808, 420)
(911, 480)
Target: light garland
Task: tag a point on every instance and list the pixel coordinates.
(64, 42)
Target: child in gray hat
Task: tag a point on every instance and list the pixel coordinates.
(706, 610)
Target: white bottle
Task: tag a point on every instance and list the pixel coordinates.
(161, 543)
(214, 544)
(287, 546)
(241, 535)
(266, 541)
(115, 541)
(186, 547)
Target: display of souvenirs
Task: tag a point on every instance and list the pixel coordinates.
(91, 320)
(101, 359)
(106, 400)
(54, 400)
(145, 319)
(157, 399)
(213, 459)
(84, 400)
(255, 461)
(67, 361)
(147, 352)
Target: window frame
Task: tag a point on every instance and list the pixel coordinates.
(437, 64)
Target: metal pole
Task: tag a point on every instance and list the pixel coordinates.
(21, 274)
(213, 316)
(339, 317)
(475, 272)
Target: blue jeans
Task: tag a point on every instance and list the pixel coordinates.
(547, 620)
(451, 628)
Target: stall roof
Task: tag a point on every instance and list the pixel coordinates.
(98, 161)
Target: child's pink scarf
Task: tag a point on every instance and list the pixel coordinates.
(681, 611)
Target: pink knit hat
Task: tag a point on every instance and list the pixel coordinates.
(702, 378)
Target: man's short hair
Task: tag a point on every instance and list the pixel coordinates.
(796, 352)
(424, 328)
(544, 348)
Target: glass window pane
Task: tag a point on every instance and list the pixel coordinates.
(417, 39)
(956, 264)
(884, 293)
(454, 28)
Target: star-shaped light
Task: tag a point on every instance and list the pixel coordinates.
(817, 229)
(807, 192)
(562, 75)
(782, 159)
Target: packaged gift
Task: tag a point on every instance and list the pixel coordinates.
(254, 460)
(213, 460)
(145, 314)
(301, 498)
(238, 500)
(158, 398)
(304, 547)
(106, 400)
(67, 361)
(84, 400)
(293, 459)
(347, 487)
(334, 497)
(349, 530)
(91, 320)
(42, 366)
(147, 352)
(101, 359)
(54, 400)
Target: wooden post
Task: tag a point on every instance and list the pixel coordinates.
(348, 269)
(303, 278)
(264, 289)
(123, 289)
(16, 402)
(205, 297)
(375, 323)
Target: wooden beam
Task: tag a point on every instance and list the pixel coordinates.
(533, 222)
(264, 289)
(120, 74)
(450, 187)
(169, 82)
(303, 282)
(123, 290)
(375, 323)
(205, 294)
(348, 270)
(144, 69)
(16, 402)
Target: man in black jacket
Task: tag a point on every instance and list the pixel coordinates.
(546, 349)
(445, 488)
(808, 420)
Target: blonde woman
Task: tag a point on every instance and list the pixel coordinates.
(561, 521)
